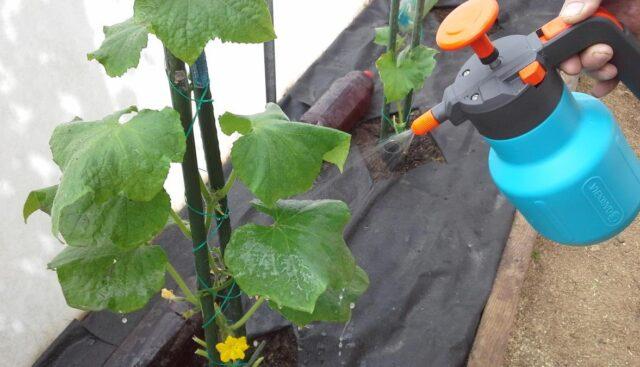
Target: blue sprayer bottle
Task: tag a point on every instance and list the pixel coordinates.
(559, 157)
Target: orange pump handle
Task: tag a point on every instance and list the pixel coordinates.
(556, 26)
(467, 25)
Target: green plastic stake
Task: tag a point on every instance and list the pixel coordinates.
(270, 64)
(177, 73)
(211, 145)
(385, 126)
(415, 42)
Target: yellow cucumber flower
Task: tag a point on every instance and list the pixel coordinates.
(232, 349)
(167, 294)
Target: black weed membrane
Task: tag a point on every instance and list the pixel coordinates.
(430, 239)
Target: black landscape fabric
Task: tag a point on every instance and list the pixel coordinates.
(430, 240)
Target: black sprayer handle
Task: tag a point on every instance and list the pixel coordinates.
(598, 29)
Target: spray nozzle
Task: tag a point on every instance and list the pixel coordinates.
(425, 123)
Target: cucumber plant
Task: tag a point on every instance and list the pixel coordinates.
(405, 71)
(110, 203)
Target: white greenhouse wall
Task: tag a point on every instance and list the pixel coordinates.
(45, 79)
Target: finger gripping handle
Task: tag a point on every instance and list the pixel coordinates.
(599, 29)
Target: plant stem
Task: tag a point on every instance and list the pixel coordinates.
(223, 324)
(205, 191)
(182, 284)
(224, 191)
(219, 195)
(248, 315)
(178, 220)
(398, 126)
(385, 127)
(220, 287)
(176, 71)
(189, 313)
(224, 285)
(199, 341)
(255, 357)
(415, 42)
(210, 213)
(202, 353)
(213, 159)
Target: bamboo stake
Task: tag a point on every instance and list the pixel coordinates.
(178, 76)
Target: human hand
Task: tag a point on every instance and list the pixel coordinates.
(595, 60)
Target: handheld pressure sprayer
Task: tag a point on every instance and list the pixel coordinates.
(559, 157)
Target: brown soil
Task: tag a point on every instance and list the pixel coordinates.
(581, 306)
(281, 349)
(423, 149)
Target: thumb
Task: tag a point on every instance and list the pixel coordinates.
(575, 11)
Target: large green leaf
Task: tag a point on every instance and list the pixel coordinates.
(185, 26)
(382, 37)
(334, 305)
(118, 221)
(39, 200)
(121, 47)
(104, 159)
(97, 278)
(407, 73)
(298, 258)
(277, 158)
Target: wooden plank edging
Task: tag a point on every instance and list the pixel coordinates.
(499, 316)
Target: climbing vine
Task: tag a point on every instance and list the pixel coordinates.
(110, 203)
